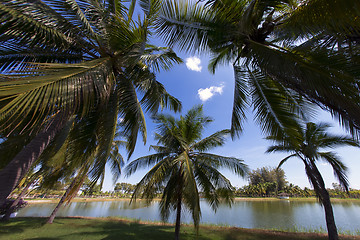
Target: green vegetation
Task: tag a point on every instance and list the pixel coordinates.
(310, 143)
(264, 182)
(70, 70)
(113, 228)
(75, 67)
(183, 169)
(284, 54)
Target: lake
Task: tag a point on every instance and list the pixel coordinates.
(278, 214)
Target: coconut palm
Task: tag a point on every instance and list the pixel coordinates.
(86, 152)
(62, 59)
(183, 167)
(284, 42)
(308, 145)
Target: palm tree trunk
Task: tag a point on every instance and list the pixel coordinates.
(178, 207)
(6, 217)
(319, 187)
(62, 200)
(21, 164)
(329, 216)
(178, 218)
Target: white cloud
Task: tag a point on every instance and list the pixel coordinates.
(193, 63)
(207, 93)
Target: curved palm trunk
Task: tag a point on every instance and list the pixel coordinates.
(62, 200)
(6, 217)
(178, 218)
(21, 164)
(319, 187)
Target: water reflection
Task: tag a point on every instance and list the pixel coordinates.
(282, 214)
(272, 214)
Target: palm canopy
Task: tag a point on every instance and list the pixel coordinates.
(285, 42)
(183, 167)
(62, 60)
(69, 56)
(311, 144)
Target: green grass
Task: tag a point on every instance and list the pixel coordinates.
(113, 228)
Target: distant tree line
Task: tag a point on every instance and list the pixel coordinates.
(270, 182)
(263, 182)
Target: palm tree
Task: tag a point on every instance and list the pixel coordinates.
(307, 145)
(280, 50)
(87, 151)
(183, 167)
(62, 59)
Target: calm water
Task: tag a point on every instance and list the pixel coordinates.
(282, 214)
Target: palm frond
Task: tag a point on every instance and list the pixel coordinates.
(339, 168)
(144, 161)
(54, 87)
(151, 10)
(18, 24)
(154, 178)
(332, 89)
(273, 111)
(160, 149)
(235, 165)
(285, 159)
(214, 140)
(279, 148)
(306, 21)
(184, 24)
(105, 137)
(223, 55)
(131, 112)
(240, 102)
(157, 58)
(337, 141)
(156, 97)
(214, 185)
(75, 12)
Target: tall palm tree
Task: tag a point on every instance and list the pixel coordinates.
(183, 167)
(308, 145)
(285, 42)
(61, 59)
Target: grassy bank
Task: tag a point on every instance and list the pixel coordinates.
(113, 228)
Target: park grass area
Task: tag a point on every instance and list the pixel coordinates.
(115, 228)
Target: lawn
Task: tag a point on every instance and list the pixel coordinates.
(112, 228)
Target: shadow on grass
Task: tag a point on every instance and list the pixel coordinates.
(111, 229)
(135, 231)
(18, 225)
(79, 228)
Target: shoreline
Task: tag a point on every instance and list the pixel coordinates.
(311, 199)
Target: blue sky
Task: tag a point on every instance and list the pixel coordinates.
(192, 83)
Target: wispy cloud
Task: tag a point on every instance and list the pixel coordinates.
(194, 64)
(207, 93)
